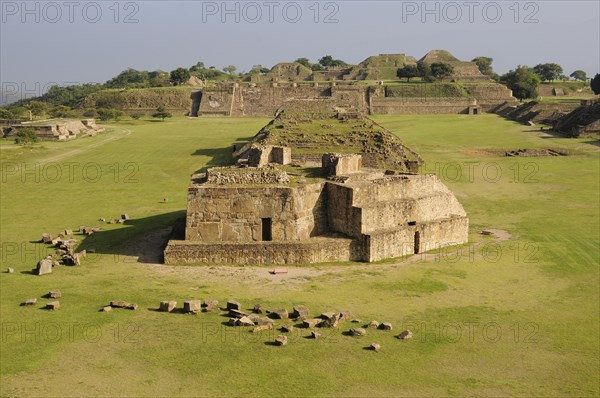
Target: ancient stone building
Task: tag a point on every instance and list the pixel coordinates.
(59, 129)
(291, 199)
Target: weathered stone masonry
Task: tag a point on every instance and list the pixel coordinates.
(364, 220)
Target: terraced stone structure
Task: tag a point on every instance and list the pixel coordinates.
(316, 187)
(54, 129)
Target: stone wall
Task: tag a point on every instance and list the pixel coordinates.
(342, 216)
(260, 156)
(410, 186)
(405, 241)
(387, 213)
(216, 102)
(317, 250)
(395, 213)
(249, 99)
(177, 100)
(265, 100)
(341, 164)
(417, 106)
(228, 175)
(235, 214)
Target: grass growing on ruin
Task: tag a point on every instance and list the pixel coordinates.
(516, 317)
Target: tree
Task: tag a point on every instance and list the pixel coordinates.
(408, 72)
(424, 69)
(25, 137)
(304, 61)
(109, 100)
(441, 70)
(326, 61)
(161, 113)
(484, 64)
(129, 78)
(6, 114)
(579, 75)
(198, 66)
(595, 84)
(107, 114)
(19, 112)
(523, 82)
(548, 72)
(90, 112)
(180, 76)
(61, 111)
(339, 62)
(158, 78)
(259, 69)
(37, 108)
(230, 69)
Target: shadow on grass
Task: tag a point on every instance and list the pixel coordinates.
(144, 238)
(30, 272)
(593, 142)
(219, 157)
(272, 344)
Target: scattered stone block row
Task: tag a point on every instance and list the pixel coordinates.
(210, 305)
(311, 323)
(262, 328)
(281, 340)
(373, 325)
(287, 328)
(167, 306)
(30, 301)
(300, 311)
(44, 266)
(192, 306)
(279, 314)
(357, 332)
(123, 304)
(243, 321)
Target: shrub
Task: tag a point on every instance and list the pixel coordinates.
(26, 136)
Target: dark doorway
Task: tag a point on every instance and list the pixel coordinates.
(475, 111)
(417, 242)
(267, 231)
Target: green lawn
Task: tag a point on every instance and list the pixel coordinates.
(492, 318)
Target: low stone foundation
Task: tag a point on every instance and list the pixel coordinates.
(317, 250)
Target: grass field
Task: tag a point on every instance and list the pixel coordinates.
(518, 317)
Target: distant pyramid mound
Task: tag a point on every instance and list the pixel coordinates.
(463, 71)
(289, 71)
(434, 56)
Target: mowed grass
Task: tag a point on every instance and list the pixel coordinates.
(513, 318)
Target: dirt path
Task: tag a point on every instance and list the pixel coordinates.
(63, 155)
(148, 249)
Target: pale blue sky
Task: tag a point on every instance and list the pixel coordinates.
(169, 34)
